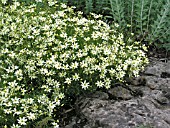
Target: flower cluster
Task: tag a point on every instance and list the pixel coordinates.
(49, 51)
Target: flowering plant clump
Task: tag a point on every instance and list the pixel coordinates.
(48, 51)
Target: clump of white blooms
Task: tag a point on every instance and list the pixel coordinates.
(47, 51)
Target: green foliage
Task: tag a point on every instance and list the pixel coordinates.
(140, 14)
(166, 46)
(161, 27)
(44, 122)
(148, 19)
(89, 6)
(48, 52)
(117, 11)
(99, 6)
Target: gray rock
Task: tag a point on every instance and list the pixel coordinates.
(100, 95)
(73, 122)
(152, 83)
(130, 114)
(151, 108)
(155, 69)
(167, 95)
(137, 81)
(163, 100)
(157, 83)
(167, 68)
(120, 93)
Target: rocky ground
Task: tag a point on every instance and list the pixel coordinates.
(143, 103)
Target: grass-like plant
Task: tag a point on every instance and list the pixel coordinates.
(160, 30)
(147, 19)
(49, 51)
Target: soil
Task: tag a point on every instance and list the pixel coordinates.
(158, 53)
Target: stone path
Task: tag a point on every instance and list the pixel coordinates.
(144, 103)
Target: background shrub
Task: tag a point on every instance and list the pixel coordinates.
(49, 51)
(147, 19)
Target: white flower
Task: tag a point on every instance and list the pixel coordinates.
(76, 77)
(55, 125)
(15, 100)
(18, 72)
(120, 75)
(5, 126)
(62, 74)
(83, 64)
(79, 54)
(38, 0)
(54, 49)
(57, 101)
(31, 116)
(107, 81)
(87, 38)
(12, 54)
(107, 51)
(99, 84)
(84, 85)
(4, 1)
(63, 5)
(15, 126)
(46, 27)
(74, 65)
(56, 84)
(50, 81)
(61, 95)
(51, 2)
(7, 111)
(22, 121)
(68, 81)
(13, 84)
(8, 104)
(51, 106)
(30, 100)
(44, 70)
(61, 13)
(75, 46)
(94, 35)
(23, 91)
(17, 112)
(57, 65)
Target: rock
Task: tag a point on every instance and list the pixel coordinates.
(136, 91)
(72, 124)
(165, 86)
(165, 75)
(137, 81)
(155, 94)
(125, 114)
(120, 93)
(162, 100)
(144, 102)
(76, 123)
(167, 95)
(167, 68)
(100, 95)
(166, 116)
(155, 69)
(152, 83)
(157, 83)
